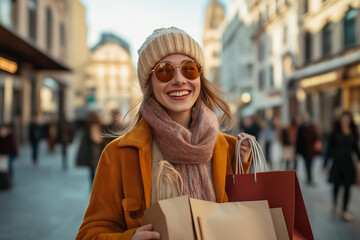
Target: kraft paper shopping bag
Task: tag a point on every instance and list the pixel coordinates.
(232, 221)
(171, 218)
(279, 224)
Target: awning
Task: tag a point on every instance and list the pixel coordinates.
(326, 66)
(23, 51)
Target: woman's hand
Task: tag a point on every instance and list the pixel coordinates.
(145, 232)
(245, 148)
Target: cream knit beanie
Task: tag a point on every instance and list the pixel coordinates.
(163, 42)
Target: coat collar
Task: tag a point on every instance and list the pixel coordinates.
(141, 138)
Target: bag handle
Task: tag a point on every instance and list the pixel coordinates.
(258, 157)
(168, 173)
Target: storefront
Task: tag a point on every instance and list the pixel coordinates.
(326, 95)
(24, 88)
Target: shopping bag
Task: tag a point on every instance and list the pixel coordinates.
(187, 218)
(232, 221)
(279, 188)
(171, 218)
(279, 224)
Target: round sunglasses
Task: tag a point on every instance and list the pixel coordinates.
(165, 71)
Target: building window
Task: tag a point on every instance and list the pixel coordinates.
(260, 19)
(260, 50)
(62, 39)
(261, 80)
(326, 39)
(350, 28)
(248, 71)
(62, 35)
(271, 83)
(14, 13)
(308, 47)
(32, 19)
(8, 13)
(48, 28)
(306, 6)
(285, 34)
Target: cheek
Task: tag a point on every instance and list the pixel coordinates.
(157, 89)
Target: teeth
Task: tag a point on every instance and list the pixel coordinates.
(179, 94)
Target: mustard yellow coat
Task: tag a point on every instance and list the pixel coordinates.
(122, 185)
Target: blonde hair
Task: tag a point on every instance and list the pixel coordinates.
(210, 94)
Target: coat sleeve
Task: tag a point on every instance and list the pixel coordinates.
(299, 141)
(104, 218)
(330, 149)
(356, 149)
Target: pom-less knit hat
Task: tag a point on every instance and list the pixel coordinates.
(163, 42)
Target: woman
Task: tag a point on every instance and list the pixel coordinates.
(175, 135)
(306, 145)
(343, 143)
(91, 144)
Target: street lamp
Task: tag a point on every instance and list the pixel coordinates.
(245, 97)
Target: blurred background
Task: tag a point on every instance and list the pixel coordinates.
(68, 66)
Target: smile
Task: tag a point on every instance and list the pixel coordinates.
(179, 94)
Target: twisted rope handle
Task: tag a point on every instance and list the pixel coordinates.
(172, 176)
(257, 158)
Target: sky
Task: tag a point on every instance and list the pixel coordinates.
(134, 20)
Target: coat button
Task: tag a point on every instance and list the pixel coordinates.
(133, 214)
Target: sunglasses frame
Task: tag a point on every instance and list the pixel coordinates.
(180, 65)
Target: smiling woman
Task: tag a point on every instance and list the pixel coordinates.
(167, 150)
(179, 94)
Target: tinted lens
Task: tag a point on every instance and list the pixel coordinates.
(164, 72)
(191, 70)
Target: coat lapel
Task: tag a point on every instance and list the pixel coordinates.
(219, 166)
(141, 138)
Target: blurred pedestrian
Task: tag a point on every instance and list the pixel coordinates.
(51, 133)
(65, 137)
(288, 140)
(307, 144)
(8, 152)
(91, 144)
(269, 137)
(173, 147)
(343, 143)
(250, 126)
(35, 134)
(113, 130)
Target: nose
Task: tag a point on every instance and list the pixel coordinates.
(178, 78)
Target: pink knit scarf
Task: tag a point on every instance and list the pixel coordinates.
(187, 149)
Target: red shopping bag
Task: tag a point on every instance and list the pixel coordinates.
(280, 188)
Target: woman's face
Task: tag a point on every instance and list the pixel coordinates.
(179, 94)
(345, 120)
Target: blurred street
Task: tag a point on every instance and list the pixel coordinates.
(48, 203)
(290, 71)
(45, 201)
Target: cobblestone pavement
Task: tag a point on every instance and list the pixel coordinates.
(49, 203)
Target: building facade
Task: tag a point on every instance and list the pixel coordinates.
(238, 60)
(110, 81)
(211, 40)
(259, 44)
(327, 76)
(35, 59)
